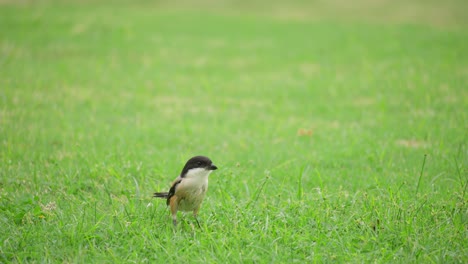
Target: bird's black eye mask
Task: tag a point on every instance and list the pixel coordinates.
(196, 162)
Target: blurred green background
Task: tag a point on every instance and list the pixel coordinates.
(339, 128)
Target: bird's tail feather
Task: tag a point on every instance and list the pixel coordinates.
(161, 194)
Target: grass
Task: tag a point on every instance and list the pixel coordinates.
(339, 139)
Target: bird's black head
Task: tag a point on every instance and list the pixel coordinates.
(198, 162)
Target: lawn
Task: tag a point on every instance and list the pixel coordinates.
(340, 131)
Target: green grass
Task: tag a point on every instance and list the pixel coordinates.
(338, 138)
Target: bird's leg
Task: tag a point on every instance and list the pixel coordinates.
(173, 204)
(195, 214)
(196, 219)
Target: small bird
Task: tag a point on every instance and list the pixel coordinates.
(189, 189)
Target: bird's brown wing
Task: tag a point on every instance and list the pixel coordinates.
(173, 189)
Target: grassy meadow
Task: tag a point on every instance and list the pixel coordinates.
(340, 131)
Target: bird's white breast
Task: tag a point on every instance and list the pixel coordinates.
(192, 189)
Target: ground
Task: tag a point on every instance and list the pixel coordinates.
(339, 130)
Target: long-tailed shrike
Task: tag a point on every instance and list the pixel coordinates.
(189, 189)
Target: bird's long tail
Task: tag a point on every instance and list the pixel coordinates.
(163, 195)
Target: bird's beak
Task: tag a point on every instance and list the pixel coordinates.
(212, 167)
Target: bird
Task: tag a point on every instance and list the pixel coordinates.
(189, 189)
